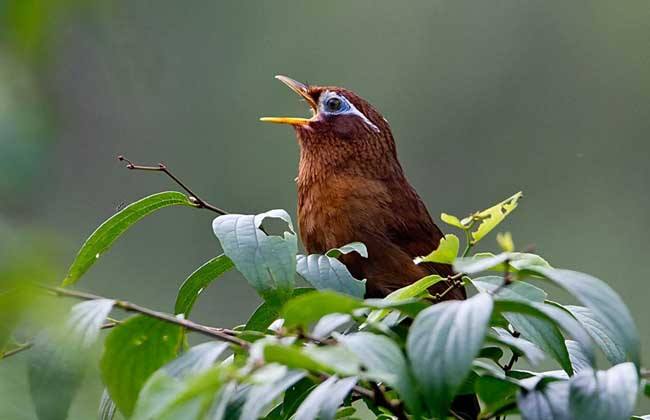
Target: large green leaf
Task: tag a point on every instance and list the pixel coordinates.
(132, 352)
(549, 399)
(55, 372)
(384, 361)
(544, 334)
(327, 273)
(552, 315)
(515, 290)
(604, 395)
(268, 312)
(106, 234)
(198, 281)
(579, 361)
(86, 319)
(308, 308)
(260, 396)
(484, 261)
(603, 337)
(180, 386)
(518, 345)
(495, 393)
(58, 360)
(325, 399)
(605, 304)
(442, 343)
(541, 332)
(268, 262)
(107, 407)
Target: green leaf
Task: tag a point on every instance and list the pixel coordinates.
(293, 358)
(601, 335)
(605, 304)
(411, 291)
(550, 315)
(384, 362)
(518, 345)
(484, 261)
(55, 372)
(579, 361)
(308, 308)
(329, 323)
(106, 234)
(182, 385)
(325, 399)
(548, 400)
(357, 247)
(492, 353)
(260, 396)
(86, 319)
(198, 281)
(515, 290)
(495, 393)
(446, 252)
(442, 343)
(59, 357)
(491, 217)
(452, 220)
(604, 395)
(106, 407)
(268, 312)
(327, 273)
(133, 351)
(505, 242)
(268, 262)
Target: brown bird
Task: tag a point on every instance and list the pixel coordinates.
(351, 187)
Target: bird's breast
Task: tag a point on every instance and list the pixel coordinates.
(340, 210)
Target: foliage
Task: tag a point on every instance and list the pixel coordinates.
(325, 351)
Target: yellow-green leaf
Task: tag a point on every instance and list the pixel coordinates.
(446, 252)
(452, 220)
(491, 217)
(505, 242)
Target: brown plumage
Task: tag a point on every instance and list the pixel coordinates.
(351, 187)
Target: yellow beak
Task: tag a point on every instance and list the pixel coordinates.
(302, 90)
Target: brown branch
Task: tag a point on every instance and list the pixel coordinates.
(456, 281)
(132, 307)
(161, 167)
(381, 400)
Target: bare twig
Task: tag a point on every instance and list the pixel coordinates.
(161, 167)
(456, 281)
(132, 307)
(381, 400)
(16, 350)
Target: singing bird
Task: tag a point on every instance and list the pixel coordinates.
(351, 188)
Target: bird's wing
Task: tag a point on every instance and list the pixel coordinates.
(417, 235)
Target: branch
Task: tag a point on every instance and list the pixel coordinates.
(381, 400)
(16, 350)
(200, 203)
(217, 333)
(456, 281)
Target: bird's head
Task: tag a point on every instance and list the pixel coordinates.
(343, 131)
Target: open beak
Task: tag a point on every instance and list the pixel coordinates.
(302, 90)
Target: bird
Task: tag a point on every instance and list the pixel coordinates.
(352, 188)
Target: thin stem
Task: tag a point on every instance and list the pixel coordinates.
(381, 400)
(16, 350)
(132, 307)
(455, 282)
(200, 203)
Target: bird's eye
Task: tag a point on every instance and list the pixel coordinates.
(333, 104)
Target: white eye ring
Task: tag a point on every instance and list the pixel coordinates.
(345, 107)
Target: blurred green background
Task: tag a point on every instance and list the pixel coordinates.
(484, 98)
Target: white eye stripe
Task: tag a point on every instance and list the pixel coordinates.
(351, 109)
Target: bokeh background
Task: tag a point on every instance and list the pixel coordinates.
(484, 98)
